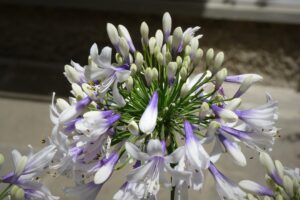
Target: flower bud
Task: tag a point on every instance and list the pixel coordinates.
(267, 198)
(279, 197)
(194, 45)
(139, 60)
(154, 74)
(148, 76)
(178, 61)
(133, 128)
(156, 50)
(144, 33)
(251, 197)
(160, 58)
(168, 57)
(219, 60)
(177, 38)
(159, 38)
(113, 34)
(184, 90)
(13, 190)
(186, 39)
(296, 185)
(133, 69)
(167, 24)
(209, 56)
(119, 58)
(187, 50)
(124, 48)
(71, 74)
(152, 43)
(19, 194)
(198, 56)
(267, 161)
(124, 33)
(288, 185)
(170, 40)
(204, 110)
(77, 91)
(220, 77)
(279, 168)
(2, 159)
(171, 70)
(62, 104)
(183, 73)
(129, 83)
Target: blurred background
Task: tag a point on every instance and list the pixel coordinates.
(37, 38)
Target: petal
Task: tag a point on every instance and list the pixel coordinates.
(154, 148)
(135, 152)
(216, 152)
(147, 122)
(106, 169)
(255, 188)
(118, 98)
(175, 156)
(139, 174)
(234, 150)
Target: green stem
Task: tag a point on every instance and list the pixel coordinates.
(4, 193)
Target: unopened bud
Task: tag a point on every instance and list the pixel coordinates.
(184, 90)
(152, 44)
(251, 197)
(194, 45)
(179, 61)
(204, 110)
(288, 185)
(113, 34)
(183, 73)
(124, 33)
(71, 74)
(124, 48)
(159, 38)
(156, 50)
(144, 33)
(186, 39)
(62, 104)
(2, 159)
(209, 56)
(219, 60)
(133, 69)
(267, 198)
(19, 194)
(220, 77)
(119, 58)
(133, 128)
(148, 76)
(279, 197)
(154, 74)
(139, 60)
(129, 83)
(198, 56)
(267, 161)
(171, 70)
(167, 24)
(13, 190)
(279, 168)
(187, 50)
(77, 91)
(177, 38)
(168, 57)
(160, 58)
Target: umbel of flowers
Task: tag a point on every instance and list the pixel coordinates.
(154, 109)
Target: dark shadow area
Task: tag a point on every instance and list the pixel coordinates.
(37, 41)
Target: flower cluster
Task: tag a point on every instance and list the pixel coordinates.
(283, 182)
(156, 109)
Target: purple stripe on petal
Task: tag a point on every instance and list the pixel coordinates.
(265, 191)
(113, 119)
(236, 133)
(163, 145)
(9, 178)
(189, 136)
(275, 176)
(106, 113)
(227, 143)
(70, 126)
(153, 101)
(83, 103)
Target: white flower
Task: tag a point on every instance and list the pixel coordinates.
(156, 164)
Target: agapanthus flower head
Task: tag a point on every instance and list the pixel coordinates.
(131, 104)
